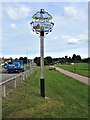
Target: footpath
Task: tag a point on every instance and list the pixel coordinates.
(83, 79)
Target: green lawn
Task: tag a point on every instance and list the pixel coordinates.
(80, 68)
(67, 98)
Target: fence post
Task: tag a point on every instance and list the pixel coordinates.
(26, 75)
(4, 91)
(30, 71)
(21, 78)
(14, 83)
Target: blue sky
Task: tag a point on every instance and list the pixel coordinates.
(69, 35)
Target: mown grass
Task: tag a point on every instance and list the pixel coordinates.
(79, 68)
(66, 98)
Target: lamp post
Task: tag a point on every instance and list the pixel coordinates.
(42, 24)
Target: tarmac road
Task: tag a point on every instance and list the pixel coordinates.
(4, 76)
(9, 86)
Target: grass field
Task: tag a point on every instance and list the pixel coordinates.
(66, 98)
(80, 68)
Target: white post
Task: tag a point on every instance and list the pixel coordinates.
(4, 91)
(21, 78)
(26, 75)
(42, 84)
(42, 56)
(14, 83)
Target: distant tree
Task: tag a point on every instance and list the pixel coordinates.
(74, 57)
(86, 60)
(16, 58)
(66, 57)
(21, 58)
(70, 60)
(54, 60)
(79, 57)
(45, 62)
(37, 60)
(25, 60)
(49, 60)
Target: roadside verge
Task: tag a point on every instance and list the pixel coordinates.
(75, 76)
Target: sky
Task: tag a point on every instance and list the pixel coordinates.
(69, 35)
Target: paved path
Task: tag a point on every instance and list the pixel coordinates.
(83, 79)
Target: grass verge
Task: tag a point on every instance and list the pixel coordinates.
(66, 98)
(79, 68)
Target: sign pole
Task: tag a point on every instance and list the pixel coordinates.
(42, 24)
(42, 83)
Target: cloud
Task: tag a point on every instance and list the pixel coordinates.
(45, 1)
(59, 21)
(83, 37)
(74, 13)
(75, 40)
(65, 24)
(55, 37)
(70, 17)
(13, 26)
(66, 37)
(70, 40)
(18, 12)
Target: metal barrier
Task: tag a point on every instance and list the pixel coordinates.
(10, 84)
